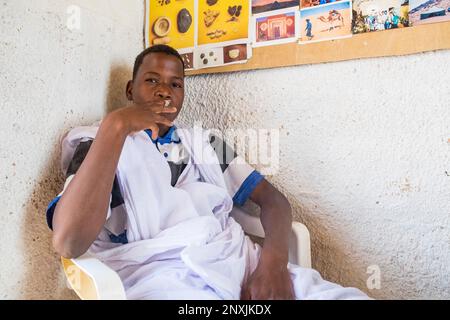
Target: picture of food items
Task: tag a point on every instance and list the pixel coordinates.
(162, 26)
(236, 52)
(188, 59)
(205, 57)
(164, 40)
(221, 21)
(210, 16)
(233, 54)
(208, 57)
(216, 34)
(234, 12)
(163, 2)
(184, 20)
(171, 22)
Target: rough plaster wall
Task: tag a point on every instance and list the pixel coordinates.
(364, 161)
(51, 79)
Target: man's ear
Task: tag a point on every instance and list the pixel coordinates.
(129, 90)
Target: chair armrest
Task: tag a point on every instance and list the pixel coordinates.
(299, 242)
(93, 280)
(300, 245)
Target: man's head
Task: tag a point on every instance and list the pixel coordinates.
(158, 74)
(155, 49)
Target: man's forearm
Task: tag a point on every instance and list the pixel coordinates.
(277, 221)
(276, 218)
(271, 279)
(81, 211)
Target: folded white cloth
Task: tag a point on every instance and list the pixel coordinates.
(182, 242)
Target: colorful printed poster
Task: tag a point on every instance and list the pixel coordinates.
(428, 11)
(222, 21)
(170, 22)
(206, 57)
(275, 27)
(326, 22)
(376, 15)
(312, 3)
(259, 6)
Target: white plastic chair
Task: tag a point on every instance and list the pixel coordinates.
(93, 280)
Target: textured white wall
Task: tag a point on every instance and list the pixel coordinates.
(364, 161)
(364, 144)
(52, 78)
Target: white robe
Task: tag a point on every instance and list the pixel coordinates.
(182, 244)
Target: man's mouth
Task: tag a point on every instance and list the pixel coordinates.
(164, 103)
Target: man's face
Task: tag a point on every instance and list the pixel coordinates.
(159, 78)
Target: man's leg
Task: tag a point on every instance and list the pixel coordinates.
(309, 285)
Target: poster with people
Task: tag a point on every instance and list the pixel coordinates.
(378, 15)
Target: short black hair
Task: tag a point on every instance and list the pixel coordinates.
(155, 49)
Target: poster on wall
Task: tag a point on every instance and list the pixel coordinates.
(378, 15)
(428, 11)
(213, 33)
(172, 23)
(260, 6)
(223, 33)
(222, 21)
(275, 27)
(325, 22)
(210, 56)
(313, 3)
(206, 33)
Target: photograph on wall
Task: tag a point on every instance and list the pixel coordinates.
(188, 60)
(223, 21)
(208, 57)
(171, 23)
(428, 11)
(276, 27)
(260, 6)
(378, 15)
(326, 22)
(313, 3)
(236, 53)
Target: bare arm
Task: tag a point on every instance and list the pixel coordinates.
(276, 218)
(271, 278)
(81, 212)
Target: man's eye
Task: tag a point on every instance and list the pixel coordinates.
(152, 80)
(177, 85)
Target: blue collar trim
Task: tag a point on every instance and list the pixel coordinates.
(169, 137)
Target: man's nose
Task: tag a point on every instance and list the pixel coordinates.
(163, 92)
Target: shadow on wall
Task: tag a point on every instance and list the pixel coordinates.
(326, 244)
(118, 78)
(330, 245)
(43, 277)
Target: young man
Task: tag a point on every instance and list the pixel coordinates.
(139, 197)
